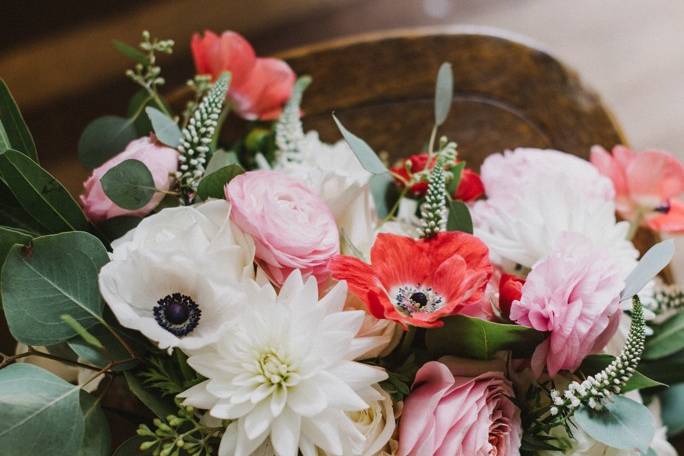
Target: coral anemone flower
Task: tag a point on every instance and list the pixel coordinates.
(418, 281)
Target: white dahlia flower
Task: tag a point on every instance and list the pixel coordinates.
(284, 370)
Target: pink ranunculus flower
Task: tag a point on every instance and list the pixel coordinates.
(647, 184)
(259, 86)
(162, 162)
(451, 414)
(573, 294)
(292, 227)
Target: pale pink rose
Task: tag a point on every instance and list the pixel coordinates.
(162, 162)
(292, 227)
(259, 86)
(573, 294)
(646, 183)
(450, 415)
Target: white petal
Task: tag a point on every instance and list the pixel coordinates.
(246, 446)
(199, 397)
(339, 394)
(229, 440)
(285, 434)
(306, 399)
(258, 420)
(226, 410)
(278, 400)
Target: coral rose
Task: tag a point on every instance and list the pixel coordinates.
(647, 185)
(450, 415)
(162, 162)
(259, 86)
(574, 295)
(291, 226)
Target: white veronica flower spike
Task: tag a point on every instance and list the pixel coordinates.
(285, 370)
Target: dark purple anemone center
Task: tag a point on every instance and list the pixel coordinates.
(177, 313)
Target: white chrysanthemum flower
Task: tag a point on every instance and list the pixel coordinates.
(178, 276)
(525, 226)
(285, 371)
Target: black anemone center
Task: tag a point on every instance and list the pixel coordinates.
(419, 298)
(177, 313)
(664, 208)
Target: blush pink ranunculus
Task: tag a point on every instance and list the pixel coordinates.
(162, 162)
(450, 415)
(573, 294)
(259, 86)
(647, 184)
(292, 227)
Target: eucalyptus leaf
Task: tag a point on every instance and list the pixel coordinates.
(9, 237)
(475, 338)
(42, 196)
(624, 424)
(459, 217)
(12, 214)
(111, 351)
(649, 266)
(129, 184)
(672, 403)
(444, 93)
(14, 134)
(212, 185)
(593, 364)
(96, 436)
(667, 339)
(136, 107)
(381, 186)
(39, 413)
(221, 158)
(104, 138)
(669, 370)
(364, 153)
(166, 130)
(116, 227)
(129, 51)
(54, 276)
(158, 405)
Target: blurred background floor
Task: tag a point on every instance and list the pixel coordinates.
(58, 60)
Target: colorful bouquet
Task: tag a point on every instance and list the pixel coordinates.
(284, 296)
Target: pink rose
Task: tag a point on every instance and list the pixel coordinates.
(259, 86)
(647, 184)
(574, 295)
(291, 226)
(162, 162)
(451, 415)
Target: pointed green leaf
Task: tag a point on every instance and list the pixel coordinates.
(129, 51)
(593, 364)
(55, 275)
(444, 93)
(39, 413)
(167, 130)
(104, 138)
(667, 339)
(459, 217)
(212, 186)
(624, 424)
(129, 184)
(14, 134)
(364, 153)
(12, 214)
(221, 158)
(158, 405)
(471, 337)
(40, 195)
(381, 186)
(456, 172)
(672, 402)
(96, 435)
(100, 357)
(81, 331)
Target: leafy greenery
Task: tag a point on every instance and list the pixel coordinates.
(364, 153)
(96, 435)
(480, 339)
(130, 52)
(165, 128)
(212, 185)
(220, 159)
(131, 447)
(170, 376)
(459, 218)
(38, 411)
(13, 131)
(9, 237)
(129, 184)
(624, 424)
(158, 405)
(104, 138)
(667, 339)
(54, 276)
(672, 401)
(593, 364)
(111, 351)
(40, 194)
(444, 93)
(13, 215)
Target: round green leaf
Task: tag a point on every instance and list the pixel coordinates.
(96, 437)
(212, 186)
(444, 93)
(364, 153)
(103, 138)
(9, 237)
(13, 131)
(54, 276)
(624, 424)
(165, 129)
(459, 217)
(39, 413)
(129, 184)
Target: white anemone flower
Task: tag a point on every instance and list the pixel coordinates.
(285, 371)
(178, 277)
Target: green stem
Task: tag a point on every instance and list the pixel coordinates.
(431, 144)
(155, 97)
(390, 214)
(634, 225)
(116, 335)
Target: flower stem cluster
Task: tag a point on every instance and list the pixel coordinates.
(146, 73)
(179, 434)
(289, 132)
(198, 135)
(666, 297)
(433, 210)
(596, 390)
